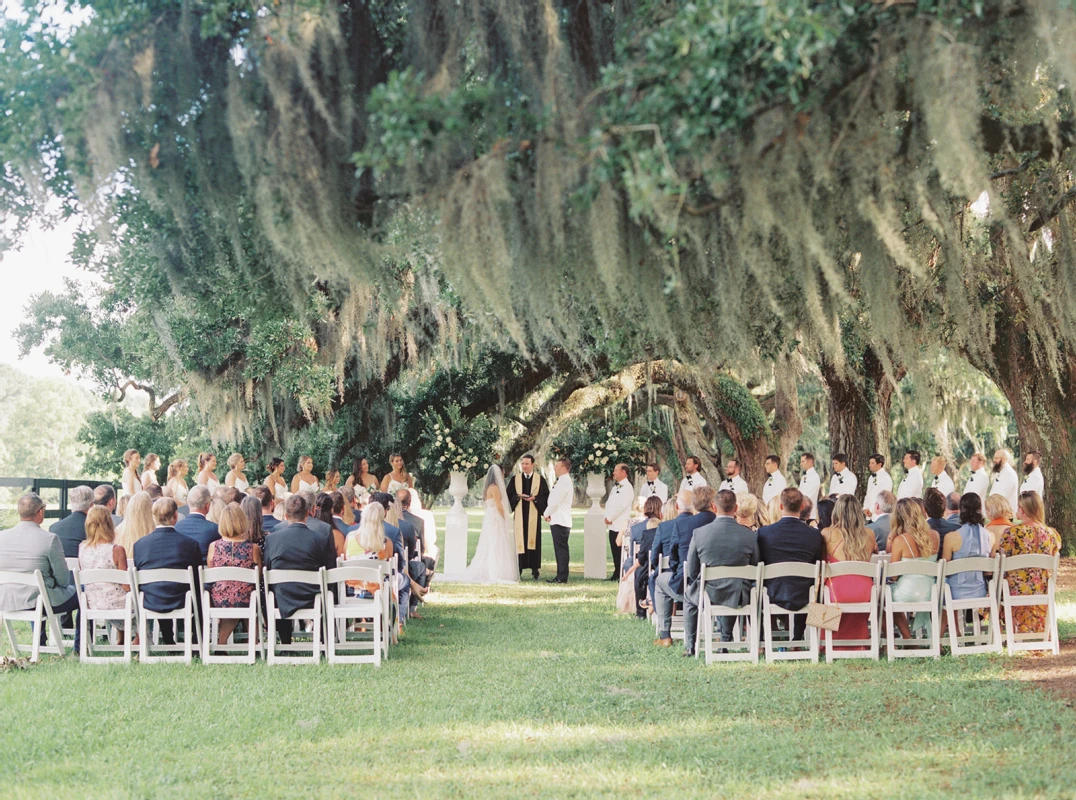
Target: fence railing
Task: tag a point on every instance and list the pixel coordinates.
(63, 484)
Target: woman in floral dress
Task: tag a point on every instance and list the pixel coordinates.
(1029, 536)
(233, 549)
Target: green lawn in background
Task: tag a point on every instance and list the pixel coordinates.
(534, 691)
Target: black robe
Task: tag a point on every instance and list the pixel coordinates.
(530, 559)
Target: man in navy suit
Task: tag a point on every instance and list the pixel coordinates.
(665, 535)
(790, 539)
(72, 529)
(195, 526)
(670, 585)
(265, 497)
(166, 548)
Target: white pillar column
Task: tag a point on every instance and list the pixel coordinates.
(455, 546)
(595, 536)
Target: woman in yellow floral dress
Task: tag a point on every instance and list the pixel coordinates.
(1029, 536)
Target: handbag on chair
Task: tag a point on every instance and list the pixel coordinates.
(825, 617)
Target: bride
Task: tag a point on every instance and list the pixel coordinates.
(495, 560)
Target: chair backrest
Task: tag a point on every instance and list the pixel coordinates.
(144, 576)
(88, 576)
(977, 564)
(367, 563)
(1030, 561)
(21, 578)
(717, 573)
(865, 569)
(790, 569)
(240, 574)
(369, 573)
(663, 563)
(911, 566)
(275, 576)
(72, 563)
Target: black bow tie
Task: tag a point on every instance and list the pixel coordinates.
(650, 484)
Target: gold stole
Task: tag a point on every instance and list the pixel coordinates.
(532, 526)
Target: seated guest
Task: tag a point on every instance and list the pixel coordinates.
(416, 568)
(197, 526)
(338, 505)
(100, 551)
(806, 513)
(121, 505)
(137, 523)
(999, 513)
(670, 585)
(252, 507)
(848, 539)
(154, 491)
(296, 546)
(665, 537)
(952, 507)
(970, 540)
(419, 524)
(313, 519)
(642, 537)
(934, 505)
(1029, 536)
(824, 518)
(233, 549)
(368, 541)
(166, 548)
(347, 512)
(750, 512)
(268, 505)
(407, 585)
(229, 494)
(72, 528)
(881, 517)
(323, 511)
(791, 539)
(28, 547)
(724, 542)
(911, 538)
(105, 495)
(216, 506)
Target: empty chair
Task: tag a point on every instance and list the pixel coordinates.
(313, 615)
(743, 645)
(929, 604)
(1045, 571)
(805, 645)
(985, 636)
(186, 613)
(854, 648)
(40, 614)
(125, 617)
(338, 614)
(212, 616)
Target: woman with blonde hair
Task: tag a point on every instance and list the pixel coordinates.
(177, 471)
(233, 549)
(669, 510)
(216, 508)
(207, 463)
(999, 513)
(149, 473)
(348, 512)
(332, 481)
(100, 551)
(1030, 535)
(910, 537)
(236, 477)
(848, 539)
(137, 522)
(642, 535)
(369, 541)
(750, 512)
(305, 480)
(773, 509)
(399, 478)
(131, 480)
(121, 505)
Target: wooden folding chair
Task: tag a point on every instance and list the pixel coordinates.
(914, 648)
(872, 570)
(40, 614)
(90, 652)
(273, 577)
(741, 648)
(339, 613)
(790, 649)
(233, 653)
(1047, 639)
(188, 615)
(983, 638)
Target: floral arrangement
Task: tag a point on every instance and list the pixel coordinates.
(599, 445)
(452, 443)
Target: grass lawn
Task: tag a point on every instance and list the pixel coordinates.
(535, 690)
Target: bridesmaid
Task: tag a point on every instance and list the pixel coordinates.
(236, 477)
(207, 477)
(305, 480)
(360, 477)
(131, 481)
(399, 478)
(177, 472)
(149, 474)
(332, 481)
(275, 481)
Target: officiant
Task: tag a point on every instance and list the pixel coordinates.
(528, 493)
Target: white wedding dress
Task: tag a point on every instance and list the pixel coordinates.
(495, 560)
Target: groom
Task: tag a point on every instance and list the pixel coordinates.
(528, 493)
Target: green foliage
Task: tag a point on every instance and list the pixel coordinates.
(451, 442)
(598, 445)
(738, 403)
(107, 434)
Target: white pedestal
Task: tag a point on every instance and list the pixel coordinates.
(455, 546)
(595, 532)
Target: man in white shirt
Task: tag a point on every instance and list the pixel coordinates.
(810, 483)
(1034, 481)
(775, 483)
(734, 481)
(942, 482)
(693, 479)
(879, 481)
(653, 486)
(558, 513)
(979, 482)
(1005, 481)
(912, 484)
(843, 480)
(618, 512)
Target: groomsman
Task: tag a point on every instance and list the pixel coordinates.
(618, 512)
(693, 479)
(879, 481)
(558, 513)
(912, 485)
(810, 483)
(1034, 481)
(843, 480)
(942, 482)
(1005, 480)
(979, 482)
(734, 481)
(653, 486)
(775, 483)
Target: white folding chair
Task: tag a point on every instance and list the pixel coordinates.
(40, 614)
(339, 613)
(914, 648)
(983, 638)
(69, 630)
(790, 649)
(872, 570)
(741, 648)
(90, 652)
(187, 614)
(1044, 640)
(272, 577)
(386, 595)
(233, 653)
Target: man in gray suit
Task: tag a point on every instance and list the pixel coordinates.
(28, 547)
(884, 503)
(721, 543)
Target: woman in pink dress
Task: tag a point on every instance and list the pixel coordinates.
(848, 539)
